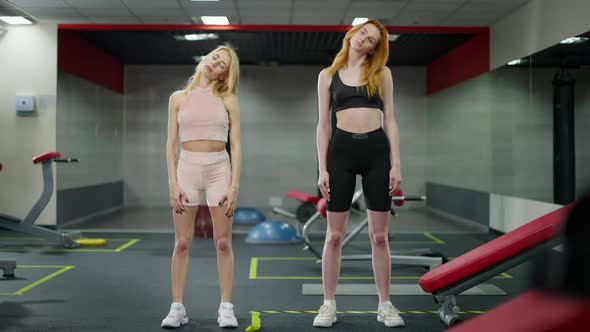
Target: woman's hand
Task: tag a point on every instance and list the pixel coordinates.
(324, 184)
(177, 198)
(395, 180)
(229, 199)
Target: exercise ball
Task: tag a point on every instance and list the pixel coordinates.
(273, 232)
(248, 216)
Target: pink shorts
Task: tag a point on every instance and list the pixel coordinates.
(206, 173)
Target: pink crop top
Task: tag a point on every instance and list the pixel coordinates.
(203, 117)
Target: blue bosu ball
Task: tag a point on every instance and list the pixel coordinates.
(273, 232)
(248, 216)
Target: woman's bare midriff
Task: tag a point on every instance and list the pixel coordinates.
(203, 146)
(359, 119)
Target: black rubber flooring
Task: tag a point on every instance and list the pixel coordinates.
(125, 286)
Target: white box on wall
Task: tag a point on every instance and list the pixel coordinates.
(25, 105)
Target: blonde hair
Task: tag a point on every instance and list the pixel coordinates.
(221, 88)
(371, 73)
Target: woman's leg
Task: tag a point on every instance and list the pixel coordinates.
(332, 252)
(378, 224)
(381, 254)
(342, 179)
(342, 184)
(222, 236)
(218, 181)
(376, 190)
(183, 230)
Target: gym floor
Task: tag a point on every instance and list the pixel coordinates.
(125, 286)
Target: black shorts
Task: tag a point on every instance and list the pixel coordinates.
(367, 154)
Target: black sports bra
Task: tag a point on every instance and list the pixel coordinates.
(344, 96)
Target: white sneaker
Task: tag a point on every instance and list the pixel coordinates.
(226, 317)
(326, 315)
(389, 315)
(176, 316)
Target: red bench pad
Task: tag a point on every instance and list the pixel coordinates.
(533, 311)
(495, 251)
(303, 197)
(46, 156)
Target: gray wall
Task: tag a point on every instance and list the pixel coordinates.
(147, 89)
(494, 133)
(28, 56)
(534, 26)
(279, 115)
(490, 134)
(461, 203)
(89, 127)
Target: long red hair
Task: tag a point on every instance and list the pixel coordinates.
(371, 75)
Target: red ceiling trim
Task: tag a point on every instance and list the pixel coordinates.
(465, 61)
(80, 58)
(263, 28)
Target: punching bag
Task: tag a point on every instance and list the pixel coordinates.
(564, 161)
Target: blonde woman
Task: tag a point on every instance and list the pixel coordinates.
(200, 118)
(358, 88)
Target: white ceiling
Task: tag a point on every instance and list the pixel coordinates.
(306, 12)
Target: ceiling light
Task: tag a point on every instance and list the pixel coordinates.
(199, 58)
(15, 20)
(574, 40)
(359, 20)
(516, 62)
(201, 36)
(197, 36)
(215, 20)
(392, 37)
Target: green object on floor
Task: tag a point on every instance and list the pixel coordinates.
(255, 326)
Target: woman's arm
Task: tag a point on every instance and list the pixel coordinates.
(324, 130)
(177, 197)
(233, 108)
(391, 130)
(231, 195)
